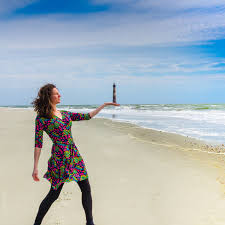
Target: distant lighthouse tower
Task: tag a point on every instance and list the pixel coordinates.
(114, 93)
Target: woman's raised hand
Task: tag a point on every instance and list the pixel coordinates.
(111, 103)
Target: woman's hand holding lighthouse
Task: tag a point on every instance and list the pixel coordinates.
(111, 103)
(94, 112)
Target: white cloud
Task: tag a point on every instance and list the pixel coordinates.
(7, 6)
(53, 65)
(55, 31)
(32, 46)
(165, 5)
(110, 28)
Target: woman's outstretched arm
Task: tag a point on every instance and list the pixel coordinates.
(96, 111)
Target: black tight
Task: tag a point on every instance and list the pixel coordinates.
(86, 200)
(54, 194)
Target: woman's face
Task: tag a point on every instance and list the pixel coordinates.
(55, 97)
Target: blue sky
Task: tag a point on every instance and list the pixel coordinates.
(164, 51)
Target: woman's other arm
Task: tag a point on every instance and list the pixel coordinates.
(39, 127)
(37, 152)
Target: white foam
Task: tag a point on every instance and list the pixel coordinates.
(206, 122)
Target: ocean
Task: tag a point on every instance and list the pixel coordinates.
(202, 121)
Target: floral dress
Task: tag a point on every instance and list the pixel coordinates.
(66, 163)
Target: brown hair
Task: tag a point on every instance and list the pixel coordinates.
(42, 103)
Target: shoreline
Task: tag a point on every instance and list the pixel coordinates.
(171, 140)
(215, 145)
(194, 148)
(158, 137)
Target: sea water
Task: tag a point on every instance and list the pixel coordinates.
(201, 121)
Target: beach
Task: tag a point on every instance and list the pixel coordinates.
(137, 175)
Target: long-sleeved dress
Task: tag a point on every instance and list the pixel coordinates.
(65, 164)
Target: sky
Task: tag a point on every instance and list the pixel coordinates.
(157, 52)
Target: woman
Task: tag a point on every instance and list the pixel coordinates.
(66, 163)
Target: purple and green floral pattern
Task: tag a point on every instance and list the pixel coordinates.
(65, 164)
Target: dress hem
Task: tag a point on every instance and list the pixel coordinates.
(63, 181)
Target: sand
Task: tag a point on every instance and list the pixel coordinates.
(137, 176)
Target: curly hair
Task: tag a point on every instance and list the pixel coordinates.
(42, 103)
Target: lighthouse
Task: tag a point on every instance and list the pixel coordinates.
(114, 93)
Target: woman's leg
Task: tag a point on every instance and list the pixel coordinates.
(46, 203)
(86, 200)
